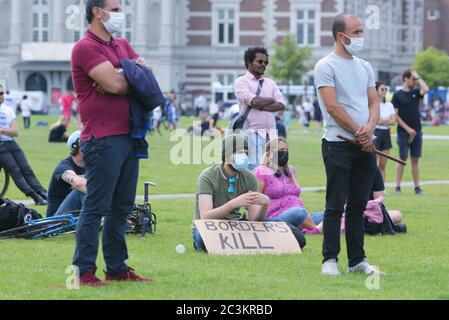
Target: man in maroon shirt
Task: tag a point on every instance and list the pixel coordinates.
(112, 168)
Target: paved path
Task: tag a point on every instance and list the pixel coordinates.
(305, 189)
(428, 137)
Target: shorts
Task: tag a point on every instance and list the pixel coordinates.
(415, 147)
(383, 141)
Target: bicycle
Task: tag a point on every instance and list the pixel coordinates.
(4, 182)
(142, 219)
(43, 228)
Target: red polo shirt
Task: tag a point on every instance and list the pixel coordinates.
(102, 115)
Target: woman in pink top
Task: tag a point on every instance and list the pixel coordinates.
(278, 182)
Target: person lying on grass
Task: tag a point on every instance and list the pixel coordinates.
(224, 189)
(277, 180)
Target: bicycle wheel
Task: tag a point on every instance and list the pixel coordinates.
(4, 182)
(26, 231)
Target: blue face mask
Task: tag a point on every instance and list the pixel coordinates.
(241, 162)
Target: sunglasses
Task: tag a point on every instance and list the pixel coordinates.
(2, 93)
(384, 90)
(261, 61)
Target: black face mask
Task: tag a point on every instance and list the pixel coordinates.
(282, 158)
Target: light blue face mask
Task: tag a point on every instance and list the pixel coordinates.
(115, 22)
(241, 162)
(356, 46)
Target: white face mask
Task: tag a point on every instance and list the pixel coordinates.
(115, 22)
(356, 45)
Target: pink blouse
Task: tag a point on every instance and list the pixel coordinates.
(283, 192)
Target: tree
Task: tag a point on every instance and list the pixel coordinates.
(433, 66)
(288, 64)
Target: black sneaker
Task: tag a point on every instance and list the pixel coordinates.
(43, 194)
(419, 191)
(38, 200)
(398, 190)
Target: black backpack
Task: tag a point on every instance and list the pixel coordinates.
(385, 227)
(14, 215)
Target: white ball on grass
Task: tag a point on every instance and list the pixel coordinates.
(181, 249)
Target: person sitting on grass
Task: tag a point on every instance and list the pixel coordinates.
(58, 131)
(67, 190)
(206, 127)
(224, 189)
(12, 158)
(378, 191)
(373, 218)
(277, 180)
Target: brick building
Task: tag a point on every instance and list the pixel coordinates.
(436, 24)
(194, 44)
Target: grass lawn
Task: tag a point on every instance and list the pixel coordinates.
(417, 264)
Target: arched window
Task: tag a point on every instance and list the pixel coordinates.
(36, 82)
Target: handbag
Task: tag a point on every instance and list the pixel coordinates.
(241, 122)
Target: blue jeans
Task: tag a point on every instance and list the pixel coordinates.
(257, 146)
(294, 216)
(112, 170)
(73, 202)
(198, 242)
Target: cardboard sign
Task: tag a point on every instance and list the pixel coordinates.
(223, 237)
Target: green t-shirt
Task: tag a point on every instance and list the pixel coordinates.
(213, 181)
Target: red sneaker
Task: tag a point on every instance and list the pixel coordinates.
(128, 275)
(89, 279)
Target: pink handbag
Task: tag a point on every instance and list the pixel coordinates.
(373, 213)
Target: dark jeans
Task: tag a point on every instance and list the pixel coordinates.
(350, 177)
(13, 160)
(112, 170)
(73, 202)
(27, 122)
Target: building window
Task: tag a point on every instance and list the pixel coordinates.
(41, 21)
(226, 22)
(79, 22)
(226, 79)
(306, 27)
(127, 31)
(433, 14)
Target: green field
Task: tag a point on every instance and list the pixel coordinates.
(417, 264)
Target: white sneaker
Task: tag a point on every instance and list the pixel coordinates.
(365, 267)
(330, 268)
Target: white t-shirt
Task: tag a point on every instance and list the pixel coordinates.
(157, 114)
(386, 111)
(308, 107)
(25, 106)
(7, 115)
